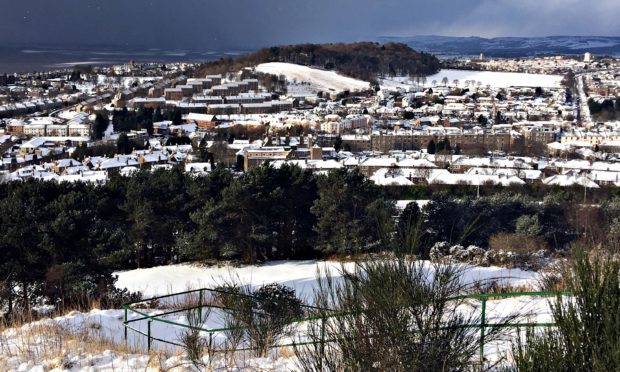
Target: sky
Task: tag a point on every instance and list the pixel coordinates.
(248, 24)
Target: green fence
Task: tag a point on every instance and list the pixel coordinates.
(142, 316)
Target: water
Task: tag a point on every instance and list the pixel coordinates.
(29, 59)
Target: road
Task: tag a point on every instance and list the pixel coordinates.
(584, 110)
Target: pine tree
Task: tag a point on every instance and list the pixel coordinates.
(345, 220)
(431, 147)
(100, 125)
(157, 116)
(338, 143)
(123, 145)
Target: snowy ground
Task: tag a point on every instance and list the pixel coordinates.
(300, 275)
(29, 348)
(492, 78)
(305, 80)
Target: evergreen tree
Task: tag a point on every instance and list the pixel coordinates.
(409, 230)
(175, 116)
(338, 143)
(263, 215)
(123, 144)
(538, 92)
(431, 147)
(77, 271)
(446, 145)
(157, 116)
(344, 222)
(100, 125)
(23, 265)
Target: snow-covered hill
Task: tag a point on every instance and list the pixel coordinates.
(304, 80)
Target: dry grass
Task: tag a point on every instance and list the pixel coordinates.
(286, 352)
(517, 243)
(54, 345)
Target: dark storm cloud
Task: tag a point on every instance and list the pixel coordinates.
(253, 23)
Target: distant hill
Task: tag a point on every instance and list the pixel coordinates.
(512, 46)
(364, 61)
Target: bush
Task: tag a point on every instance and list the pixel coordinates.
(587, 332)
(392, 315)
(518, 244)
(263, 314)
(516, 250)
(116, 297)
(279, 302)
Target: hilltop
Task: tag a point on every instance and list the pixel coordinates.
(363, 60)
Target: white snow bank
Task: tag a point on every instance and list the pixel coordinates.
(300, 275)
(319, 80)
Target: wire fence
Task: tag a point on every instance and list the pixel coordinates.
(204, 298)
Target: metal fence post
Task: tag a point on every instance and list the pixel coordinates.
(125, 325)
(482, 328)
(322, 342)
(148, 332)
(200, 307)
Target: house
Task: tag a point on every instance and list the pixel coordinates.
(253, 157)
(149, 102)
(161, 127)
(173, 94)
(224, 109)
(570, 180)
(446, 178)
(206, 121)
(198, 168)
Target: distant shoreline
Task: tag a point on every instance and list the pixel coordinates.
(29, 59)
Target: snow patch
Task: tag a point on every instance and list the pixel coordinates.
(309, 80)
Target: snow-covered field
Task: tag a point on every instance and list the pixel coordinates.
(307, 80)
(26, 349)
(492, 78)
(300, 275)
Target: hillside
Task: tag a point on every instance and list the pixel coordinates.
(303, 80)
(363, 61)
(511, 46)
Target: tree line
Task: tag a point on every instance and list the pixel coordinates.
(124, 120)
(64, 241)
(608, 109)
(363, 60)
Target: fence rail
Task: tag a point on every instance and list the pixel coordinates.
(482, 297)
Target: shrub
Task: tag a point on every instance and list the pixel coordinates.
(263, 314)
(279, 302)
(517, 243)
(193, 343)
(516, 250)
(392, 315)
(116, 297)
(587, 332)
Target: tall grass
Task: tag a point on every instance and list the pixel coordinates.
(393, 315)
(587, 336)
